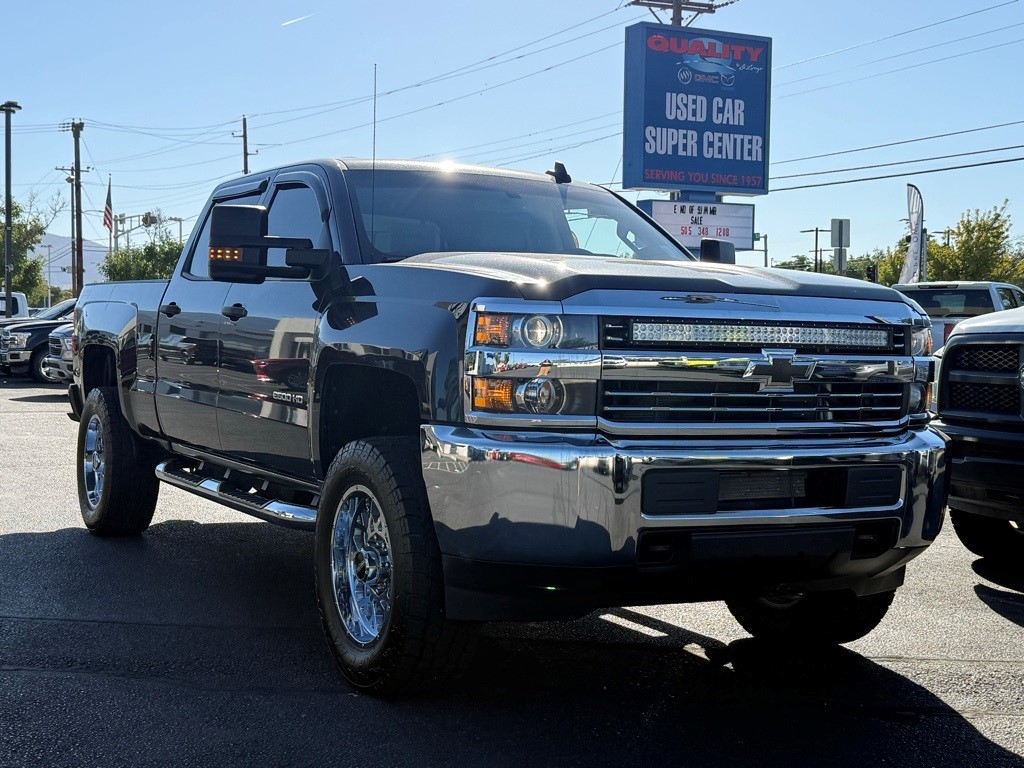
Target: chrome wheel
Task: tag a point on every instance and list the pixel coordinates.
(93, 462)
(361, 565)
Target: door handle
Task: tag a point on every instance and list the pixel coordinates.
(234, 312)
(170, 310)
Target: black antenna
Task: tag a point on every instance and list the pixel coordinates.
(373, 162)
(559, 174)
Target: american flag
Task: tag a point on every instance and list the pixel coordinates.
(108, 211)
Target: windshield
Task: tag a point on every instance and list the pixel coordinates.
(57, 311)
(405, 213)
(952, 302)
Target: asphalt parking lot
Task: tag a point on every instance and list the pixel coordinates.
(199, 644)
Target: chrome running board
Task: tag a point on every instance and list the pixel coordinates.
(178, 474)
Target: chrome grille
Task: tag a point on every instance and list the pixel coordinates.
(4, 342)
(55, 348)
(616, 333)
(670, 401)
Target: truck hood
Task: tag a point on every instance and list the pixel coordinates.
(29, 326)
(555, 277)
(1006, 321)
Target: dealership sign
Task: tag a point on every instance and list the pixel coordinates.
(689, 223)
(697, 110)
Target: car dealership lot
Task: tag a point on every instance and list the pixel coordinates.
(199, 643)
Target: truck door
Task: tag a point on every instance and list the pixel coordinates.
(188, 348)
(268, 336)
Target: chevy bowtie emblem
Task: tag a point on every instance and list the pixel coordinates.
(779, 371)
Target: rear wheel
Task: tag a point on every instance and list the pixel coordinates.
(988, 537)
(117, 487)
(818, 618)
(378, 571)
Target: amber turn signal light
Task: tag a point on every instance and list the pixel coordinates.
(492, 330)
(492, 395)
(225, 254)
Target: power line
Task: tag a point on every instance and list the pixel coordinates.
(450, 73)
(900, 69)
(476, 158)
(520, 136)
(457, 98)
(899, 55)
(895, 35)
(901, 175)
(900, 143)
(567, 147)
(899, 162)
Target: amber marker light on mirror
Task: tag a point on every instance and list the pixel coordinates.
(492, 395)
(226, 254)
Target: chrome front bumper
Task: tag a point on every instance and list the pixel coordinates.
(58, 369)
(565, 501)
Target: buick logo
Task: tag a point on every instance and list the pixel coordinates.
(685, 76)
(779, 370)
(1020, 377)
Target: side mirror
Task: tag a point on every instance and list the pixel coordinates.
(239, 243)
(717, 251)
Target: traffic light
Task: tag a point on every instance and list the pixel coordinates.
(148, 219)
(872, 272)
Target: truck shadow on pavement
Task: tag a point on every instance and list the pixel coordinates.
(1007, 602)
(201, 644)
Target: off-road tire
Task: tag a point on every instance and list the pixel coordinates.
(988, 537)
(418, 645)
(815, 619)
(130, 488)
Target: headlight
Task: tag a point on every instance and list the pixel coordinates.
(535, 331)
(921, 342)
(19, 340)
(536, 367)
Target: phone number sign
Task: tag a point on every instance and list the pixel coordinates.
(689, 223)
(697, 109)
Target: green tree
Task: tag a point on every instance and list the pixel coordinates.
(982, 248)
(799, 262)
(151, 261)
(29, 221)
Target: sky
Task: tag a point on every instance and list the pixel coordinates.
(162, 89)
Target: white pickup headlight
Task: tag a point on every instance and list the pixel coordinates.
(921, 342)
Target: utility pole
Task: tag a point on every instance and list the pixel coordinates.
(244, 136)
(76, 133)
(677, 7)
(765, 238)
(817, 251)
(8, 108)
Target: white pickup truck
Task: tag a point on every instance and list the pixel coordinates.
(947, 303)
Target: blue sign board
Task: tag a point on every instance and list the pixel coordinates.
(697, 110)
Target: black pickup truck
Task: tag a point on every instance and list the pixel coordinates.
(506, 396)
(981, 411)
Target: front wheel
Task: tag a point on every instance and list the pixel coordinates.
(37, 370)
(117, 488)
(820, 618)
(988, 536)
(378, 571)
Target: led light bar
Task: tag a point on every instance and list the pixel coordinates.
(757, 335)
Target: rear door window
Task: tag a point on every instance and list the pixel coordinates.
(1006, 298)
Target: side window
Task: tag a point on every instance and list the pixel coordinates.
(199, 262)
(1006, 298)
(295, 212)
